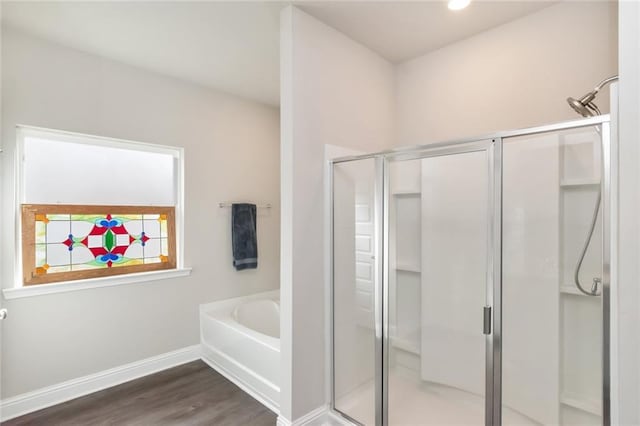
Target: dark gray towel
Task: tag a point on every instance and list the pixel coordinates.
(243, 236)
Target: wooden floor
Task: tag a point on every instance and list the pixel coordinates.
(190, 394)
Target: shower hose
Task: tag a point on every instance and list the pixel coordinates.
(576, 275)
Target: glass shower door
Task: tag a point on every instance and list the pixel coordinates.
(440, 227)
(355, 358)
(472, 281)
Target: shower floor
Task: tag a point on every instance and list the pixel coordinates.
(416, 403)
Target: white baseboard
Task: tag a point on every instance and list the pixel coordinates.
(283, 422)
(314, 417)
(207, 355)
(335, 420)
(321, 416)
(65, 391)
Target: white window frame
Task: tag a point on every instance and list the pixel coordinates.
(19, 289)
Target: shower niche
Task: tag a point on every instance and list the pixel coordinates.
(475, 316)
(405, 263)
(580, 316)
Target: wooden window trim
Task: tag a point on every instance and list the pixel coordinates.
(29, 212)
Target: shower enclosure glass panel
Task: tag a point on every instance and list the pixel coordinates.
(354, 275)
(552, 332)
(472, 280)
(439, 224)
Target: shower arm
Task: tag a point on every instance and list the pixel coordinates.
(589, 97)
(597, 89)
(604, 83)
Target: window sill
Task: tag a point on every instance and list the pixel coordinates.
(65, 286)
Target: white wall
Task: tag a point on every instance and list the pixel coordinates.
(231, 153)
(629, 210)
(334, 91)
(516, 75)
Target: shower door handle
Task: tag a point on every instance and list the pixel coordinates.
(486, 320)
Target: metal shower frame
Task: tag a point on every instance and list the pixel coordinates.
(492, 144)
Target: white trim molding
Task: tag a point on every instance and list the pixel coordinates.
(321, 416)
(335, 420)
(247, 380)
(86, 284)
(312, 418)
(51, 395)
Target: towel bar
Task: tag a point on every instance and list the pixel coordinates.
(260, 206)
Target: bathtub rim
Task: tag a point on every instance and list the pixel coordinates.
(222, 311)
(228, 304)
(274, 304)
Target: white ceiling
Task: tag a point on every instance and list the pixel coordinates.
(234, 46)
(399, 31)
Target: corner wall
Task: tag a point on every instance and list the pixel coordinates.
(513, 76)
(628, 389)
(334, 91)
(231, 153)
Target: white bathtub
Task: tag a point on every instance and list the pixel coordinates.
(241, 339)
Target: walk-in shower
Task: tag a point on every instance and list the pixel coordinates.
(453, 299)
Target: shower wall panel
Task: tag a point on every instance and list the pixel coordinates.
(530, 265)
(455, 206)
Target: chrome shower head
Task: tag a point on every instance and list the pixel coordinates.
(585, 106)
(580, 107)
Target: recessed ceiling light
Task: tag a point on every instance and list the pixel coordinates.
(458, 4)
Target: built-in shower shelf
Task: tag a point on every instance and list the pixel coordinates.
(406, 345)
(572, 290)
(407, 268)
(591, 406)
(406, 193)
(569, 183)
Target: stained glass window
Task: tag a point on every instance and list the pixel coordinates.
(73, 242)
